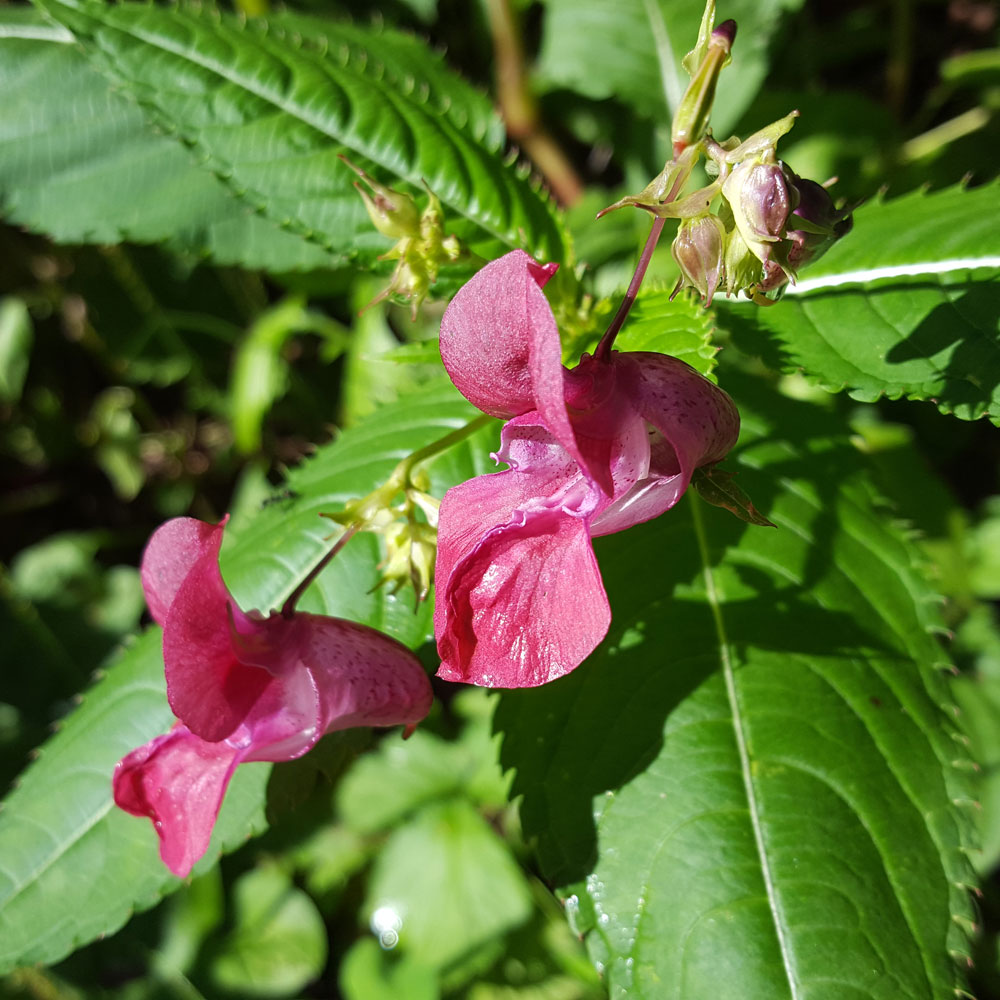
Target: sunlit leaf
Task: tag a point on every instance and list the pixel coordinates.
(907, 304)
(270, 115)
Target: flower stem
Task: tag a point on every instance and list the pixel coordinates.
(288, 608)
(359, 515)
(407, 465)
(603, 351)
(520, 109)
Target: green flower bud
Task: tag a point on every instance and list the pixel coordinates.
(761, 201)
(393, 213)
(698, 250)
(691, 120)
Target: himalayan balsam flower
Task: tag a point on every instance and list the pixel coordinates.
(246, 688)
(592, 450)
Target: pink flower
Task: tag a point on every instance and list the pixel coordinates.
(246, 688)
(592, 450)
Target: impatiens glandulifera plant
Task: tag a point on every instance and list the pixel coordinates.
(592, 450)
(730, 752)
(246, 687)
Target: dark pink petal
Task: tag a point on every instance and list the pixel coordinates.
(696, 417)
(692, 423)
(499, 340)
(170, 554)
(521, 603)
(500, 345)
(178, 781)
(208, 688)
(362, 677)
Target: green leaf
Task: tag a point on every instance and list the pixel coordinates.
(400, 777)
(908, 303)
(632, 50)
(369, 972)
(72, 866)
(278, 943)
(445, 885)
(750, 789)
(16, 337)
(719, 488)
(270, 115)
(79, 162)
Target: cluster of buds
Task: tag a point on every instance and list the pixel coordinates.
(767, 222)
(404, 513)
(421, 247)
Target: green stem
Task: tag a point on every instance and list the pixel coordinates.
(399, 479)
(408, 464)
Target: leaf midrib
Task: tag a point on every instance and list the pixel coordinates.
(712, 599)
(866, 275)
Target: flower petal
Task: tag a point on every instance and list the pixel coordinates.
(499, 340)
(522, 603)
(698, 419)
(208, 688)
(363, 677)
(170, 554)
(178, 781)
(695, 423)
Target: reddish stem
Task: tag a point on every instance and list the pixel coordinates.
(603, 350)
(288, 608)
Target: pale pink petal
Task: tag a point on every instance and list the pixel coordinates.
(208, 688)
(525, 606)
(170, 554)
(499, 337)
(178, 781)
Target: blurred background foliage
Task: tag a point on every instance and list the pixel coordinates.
(138, 384)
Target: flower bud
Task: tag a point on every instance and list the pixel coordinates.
(743, 267)
(691, 120)
(761, 200)
(698, 250)
(818, 225)
(393, 213)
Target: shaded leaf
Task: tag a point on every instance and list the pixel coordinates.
(278, 942)
(446, 884)
(369, 972)
(750, 789)
(719, 488)
(383, 787)
(632, 50)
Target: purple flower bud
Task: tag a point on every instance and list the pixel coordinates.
(819, 224)
(761, 199)
(698, 250)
